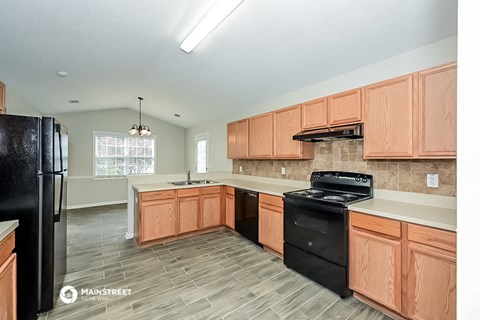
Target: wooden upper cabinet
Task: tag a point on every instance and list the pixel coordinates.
(237, 139)
(232, 133)
(242, 139)
(260, 144)
(314, 114)
(437, 116)
(3, 94)
(388, 116)
(286, 123)
(345, 108)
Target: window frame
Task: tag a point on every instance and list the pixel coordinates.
(124, 176)
(200, 137)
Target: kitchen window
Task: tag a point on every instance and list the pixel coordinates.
(118, 154)
(201, 153)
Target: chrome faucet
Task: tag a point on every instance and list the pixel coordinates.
(188, 175)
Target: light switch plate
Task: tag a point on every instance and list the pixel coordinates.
(432, 180)
(284, 170)
(240, 168)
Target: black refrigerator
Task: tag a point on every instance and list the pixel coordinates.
(33, 190)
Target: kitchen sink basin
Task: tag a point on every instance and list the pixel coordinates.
(182, 183)
(189, 183)
(204, 181)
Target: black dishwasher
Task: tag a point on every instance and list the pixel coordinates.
(246, 214)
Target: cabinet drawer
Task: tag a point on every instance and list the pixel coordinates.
(441, 239)
(376, 224)
(157, 195)
(191, 192)
(271, 200)
(6, 247)
(230, 190)
(209, 190)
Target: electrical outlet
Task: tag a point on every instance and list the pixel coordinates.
(432, 180)
(284, 170)
(240, 168)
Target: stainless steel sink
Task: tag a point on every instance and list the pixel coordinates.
(182, 183)
(188, 183)
(204, 181)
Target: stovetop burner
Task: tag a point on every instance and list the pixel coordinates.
(334, 198)
(339, 188)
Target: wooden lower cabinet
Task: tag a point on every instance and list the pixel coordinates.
(210, 208)
(157, 219)
(375, 268)
(188, 214)
(168, 213)
(230, 207)
(412, 274)
(8, 278)
(431, 273)
(270, 222)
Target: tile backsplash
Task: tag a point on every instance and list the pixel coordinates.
(401, 175)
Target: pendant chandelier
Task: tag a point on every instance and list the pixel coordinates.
(140, 129)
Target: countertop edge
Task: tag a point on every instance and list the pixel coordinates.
(161, 186)
(6, 227)
(398, 216)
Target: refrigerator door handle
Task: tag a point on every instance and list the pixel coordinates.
(56, 216)
(58, 131)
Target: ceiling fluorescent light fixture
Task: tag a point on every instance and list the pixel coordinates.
(214, 17)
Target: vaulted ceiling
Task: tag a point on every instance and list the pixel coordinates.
(116, 50)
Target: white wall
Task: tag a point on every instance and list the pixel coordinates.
(421, 58)
(468, 157)
(83, 189)
(19, 106)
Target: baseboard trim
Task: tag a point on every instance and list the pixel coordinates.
(98, 204)
(128, 235)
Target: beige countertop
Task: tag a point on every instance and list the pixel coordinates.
(273, 189)
(429, 210)
(433, 211)
(6, 227)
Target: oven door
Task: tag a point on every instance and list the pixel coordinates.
(317, 228)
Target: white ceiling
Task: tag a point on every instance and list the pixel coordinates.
(116, 50)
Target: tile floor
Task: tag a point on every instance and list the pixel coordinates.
(218, 275)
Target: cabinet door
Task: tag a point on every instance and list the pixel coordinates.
(345, 108)
(157, 219)
(211, 211)
(188, 209)
(8, 288)
(230, 210)
(287, 122)
(314, 114)
(260, 138)
(438, 112)
(389, 119)
(431, 283)
(270, 226)
(232, 131)
(375, 268)
(3, 108)
(242, 139)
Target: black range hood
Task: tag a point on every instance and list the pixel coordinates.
(329, 134)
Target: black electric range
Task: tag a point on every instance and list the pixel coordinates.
(316, 226)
